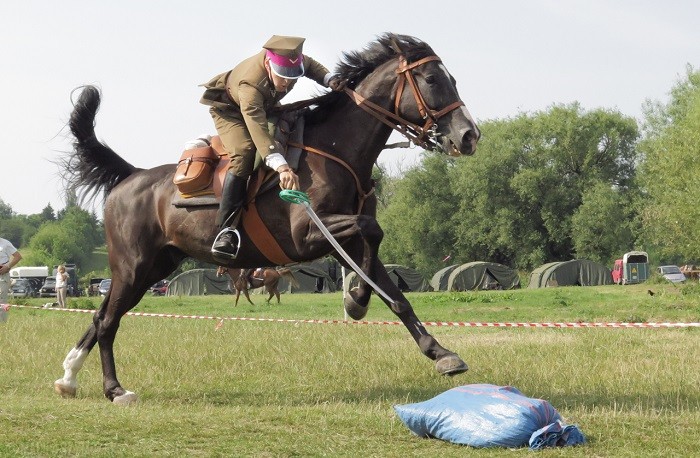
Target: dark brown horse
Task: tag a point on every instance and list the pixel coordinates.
(268, 278)
(397, 81)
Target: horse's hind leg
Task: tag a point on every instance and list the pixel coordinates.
(67, 386)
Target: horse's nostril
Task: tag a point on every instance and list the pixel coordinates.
(470, 135)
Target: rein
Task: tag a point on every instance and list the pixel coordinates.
(362, 195)
(423, 136)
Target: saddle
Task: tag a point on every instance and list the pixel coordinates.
(200, 176)
(201, 170)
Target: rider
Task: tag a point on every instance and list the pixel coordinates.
(239, 101)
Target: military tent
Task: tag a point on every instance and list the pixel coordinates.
(311, 278)
(406, 278)
(439, 280)
(197, 282)
(577, 272)
(482, 275)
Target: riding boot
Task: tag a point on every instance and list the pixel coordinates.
(228, 241)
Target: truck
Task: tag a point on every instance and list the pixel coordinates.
(632, 268)
(32, 278)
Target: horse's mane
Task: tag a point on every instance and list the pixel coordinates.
(354, 66)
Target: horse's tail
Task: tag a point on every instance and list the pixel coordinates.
(92, 165)
(287, 272)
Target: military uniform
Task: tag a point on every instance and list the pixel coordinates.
(239, 101)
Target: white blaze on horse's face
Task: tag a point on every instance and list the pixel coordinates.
(458, 129)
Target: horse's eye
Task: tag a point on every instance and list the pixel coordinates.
(431, 79)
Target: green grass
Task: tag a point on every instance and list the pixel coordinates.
(286, 389)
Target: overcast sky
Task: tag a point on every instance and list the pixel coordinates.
(149, 57)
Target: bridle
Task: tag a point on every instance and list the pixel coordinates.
(424, 136)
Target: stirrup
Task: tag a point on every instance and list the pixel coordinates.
(224, 254)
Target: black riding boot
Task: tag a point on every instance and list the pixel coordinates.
(228, 241)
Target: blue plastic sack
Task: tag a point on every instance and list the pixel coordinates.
(488, 416)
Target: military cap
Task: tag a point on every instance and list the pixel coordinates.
(284, 54)
(285, 46)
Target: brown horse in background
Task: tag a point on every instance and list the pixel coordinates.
(396, 82)
(242, 281)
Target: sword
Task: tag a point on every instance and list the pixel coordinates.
(300, 197)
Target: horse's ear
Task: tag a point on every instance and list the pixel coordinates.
(395, 45)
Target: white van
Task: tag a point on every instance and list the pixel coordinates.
(29, 272)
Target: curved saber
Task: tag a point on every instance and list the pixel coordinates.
(299, 197)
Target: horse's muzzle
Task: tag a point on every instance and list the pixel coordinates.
(465, 145)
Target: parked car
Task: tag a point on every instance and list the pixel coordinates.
(671, 273)
(93, 288)
(105, 284)
(49, 287)
(160, 288)
(23, 287)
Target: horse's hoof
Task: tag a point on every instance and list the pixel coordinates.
(125, 399)
(65, 391)
(353, 309)
(451, 365)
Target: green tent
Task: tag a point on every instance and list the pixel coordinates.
(198, 282)
(439, 280)
(311, 278)
(577, 272)
(406, 278)
(482, 275)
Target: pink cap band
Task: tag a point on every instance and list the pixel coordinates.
(286, 67)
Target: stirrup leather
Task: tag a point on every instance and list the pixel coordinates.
(237, 242)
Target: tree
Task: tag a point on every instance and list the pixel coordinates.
(68, 240)
(670, 172)
(531, 177)
(514, 201)
(47, 214)
(419, 217)
(603, 226)
(5, 210)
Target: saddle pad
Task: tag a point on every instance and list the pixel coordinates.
(201, 201)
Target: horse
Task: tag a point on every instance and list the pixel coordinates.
(396, 82)
(269, 278)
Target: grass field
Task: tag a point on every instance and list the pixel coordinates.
(302, 389)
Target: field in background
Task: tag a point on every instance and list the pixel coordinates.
(301, 389)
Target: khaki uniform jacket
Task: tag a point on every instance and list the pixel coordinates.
(246, 93)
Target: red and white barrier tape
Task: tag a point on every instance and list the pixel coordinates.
(425, 323)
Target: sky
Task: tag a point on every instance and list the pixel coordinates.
(148, 57)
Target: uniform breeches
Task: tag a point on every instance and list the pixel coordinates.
(236, 139)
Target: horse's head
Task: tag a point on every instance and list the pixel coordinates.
(427, 107)
(427, 97)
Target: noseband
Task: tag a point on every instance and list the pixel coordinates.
(424, 136)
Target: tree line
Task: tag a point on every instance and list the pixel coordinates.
(553, 185)
(51, 238)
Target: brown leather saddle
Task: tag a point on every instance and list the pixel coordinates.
(200, 176)
(200, 171)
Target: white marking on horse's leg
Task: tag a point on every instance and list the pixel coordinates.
(125, 399)
(68, 384)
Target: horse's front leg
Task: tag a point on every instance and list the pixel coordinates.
(360, 236)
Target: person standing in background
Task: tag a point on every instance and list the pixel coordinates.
(61, 286)
(9, 257)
